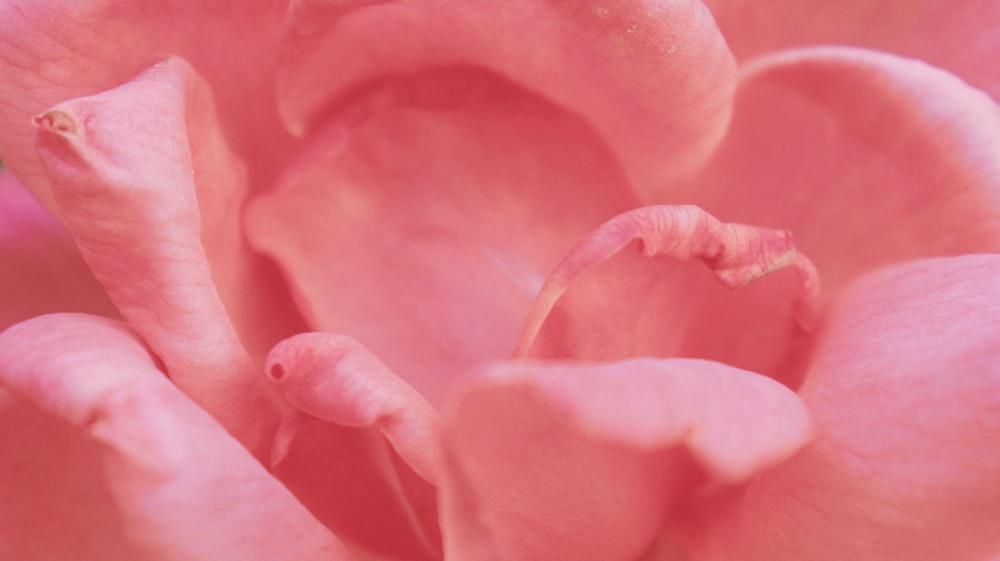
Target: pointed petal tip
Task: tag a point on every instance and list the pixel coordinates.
(58, 121)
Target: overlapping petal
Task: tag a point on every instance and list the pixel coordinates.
(905, 393)
(961, 37)
(42, 270)
(448, 165)
(136, 211)
(868, 158)
(52, 52)
(148, 470)
(360, 448)
(642, 285)
(581, 461)
(654, 77)
(425, 232)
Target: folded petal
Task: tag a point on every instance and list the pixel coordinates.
(641, 285)
(575, 461)
(42, 269)
(868, 158)
(424, 231)
(960, 36)
(653, 76)
(334, 378)
(166, 482)
(52, 52)
(125, 176)
(905, 394)
(360, 448)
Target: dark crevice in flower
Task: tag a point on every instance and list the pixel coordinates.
(277, 371)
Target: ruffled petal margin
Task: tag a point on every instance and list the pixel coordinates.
(642, 285)
(869, 158)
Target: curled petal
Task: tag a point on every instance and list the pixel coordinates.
(178, 482)
(124, 178)
(576, 461)
(905, 394)
(654, 77)
(360, 449)
(870, 159)
(335, 379)
(50, 53)
(630, 289)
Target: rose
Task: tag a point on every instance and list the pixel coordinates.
(510, 151)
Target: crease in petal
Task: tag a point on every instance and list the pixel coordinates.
(584, 461)
(132, 206)
(641, 285)
(176, 478)
(904, 391)
(254, 294)
(421, 220)
(654, 78)
(348, 404)
(869, 158)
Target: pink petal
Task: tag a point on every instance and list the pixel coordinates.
(867, 158)
(333, 378)
(654, 78)
(574, 461)
(51, 52)
(125, 180)
(634, 287)
(425, 234)
(54, 502)
(166, 482)
(905, 392)
(359, 449)
(960, 36)
(42, 270)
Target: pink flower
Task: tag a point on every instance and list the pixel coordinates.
(484, 281)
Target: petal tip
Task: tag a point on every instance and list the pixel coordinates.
(58, 121)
